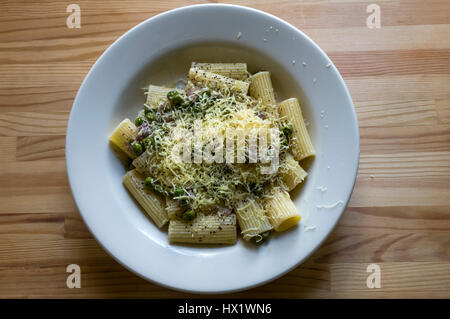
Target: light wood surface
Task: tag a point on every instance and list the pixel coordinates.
(398, 216)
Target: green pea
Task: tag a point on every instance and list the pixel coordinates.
(147, 109)
(148, 182)
(175, 98)
(137, 148)
(148, 141)
(285, 141)
(139, 121)
(266, 235)
(178, 191)
(185, 104)
(189, 215)
(151, 116)
(287, 130)
(261, 238)
(258, 240)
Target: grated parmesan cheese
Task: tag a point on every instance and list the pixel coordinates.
(339, 202)
(208, 185)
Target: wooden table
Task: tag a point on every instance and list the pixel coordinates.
(399, 214)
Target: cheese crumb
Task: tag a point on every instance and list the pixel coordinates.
(339, 202)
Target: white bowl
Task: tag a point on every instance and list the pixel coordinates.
(159, 51)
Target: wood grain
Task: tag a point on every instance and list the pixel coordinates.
(399, 213)
(41, 147)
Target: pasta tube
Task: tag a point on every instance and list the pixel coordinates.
(292, 173)
(172, 208)
(252, 219)
(205, 229)
(301, 146)
(150, 202)
(123, 134)
(217, 81)
(281, 210)
(237, 71)
(156, 94)
(261, 88)
(141, 162)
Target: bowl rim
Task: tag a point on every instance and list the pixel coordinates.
(70, 172)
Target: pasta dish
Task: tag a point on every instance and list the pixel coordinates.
(216, 156)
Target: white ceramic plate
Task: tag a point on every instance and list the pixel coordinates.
(159, 51)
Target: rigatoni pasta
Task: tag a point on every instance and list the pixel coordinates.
(200, 156)
(205, 229)
(281, 211)
(292, 173)
(152, 203)
(141, 163)
(156, 94)
(252, 219)
(301, 145)
(261, 88)
(173, 208)
(122, 137)
(237, 71)
(217, 81)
